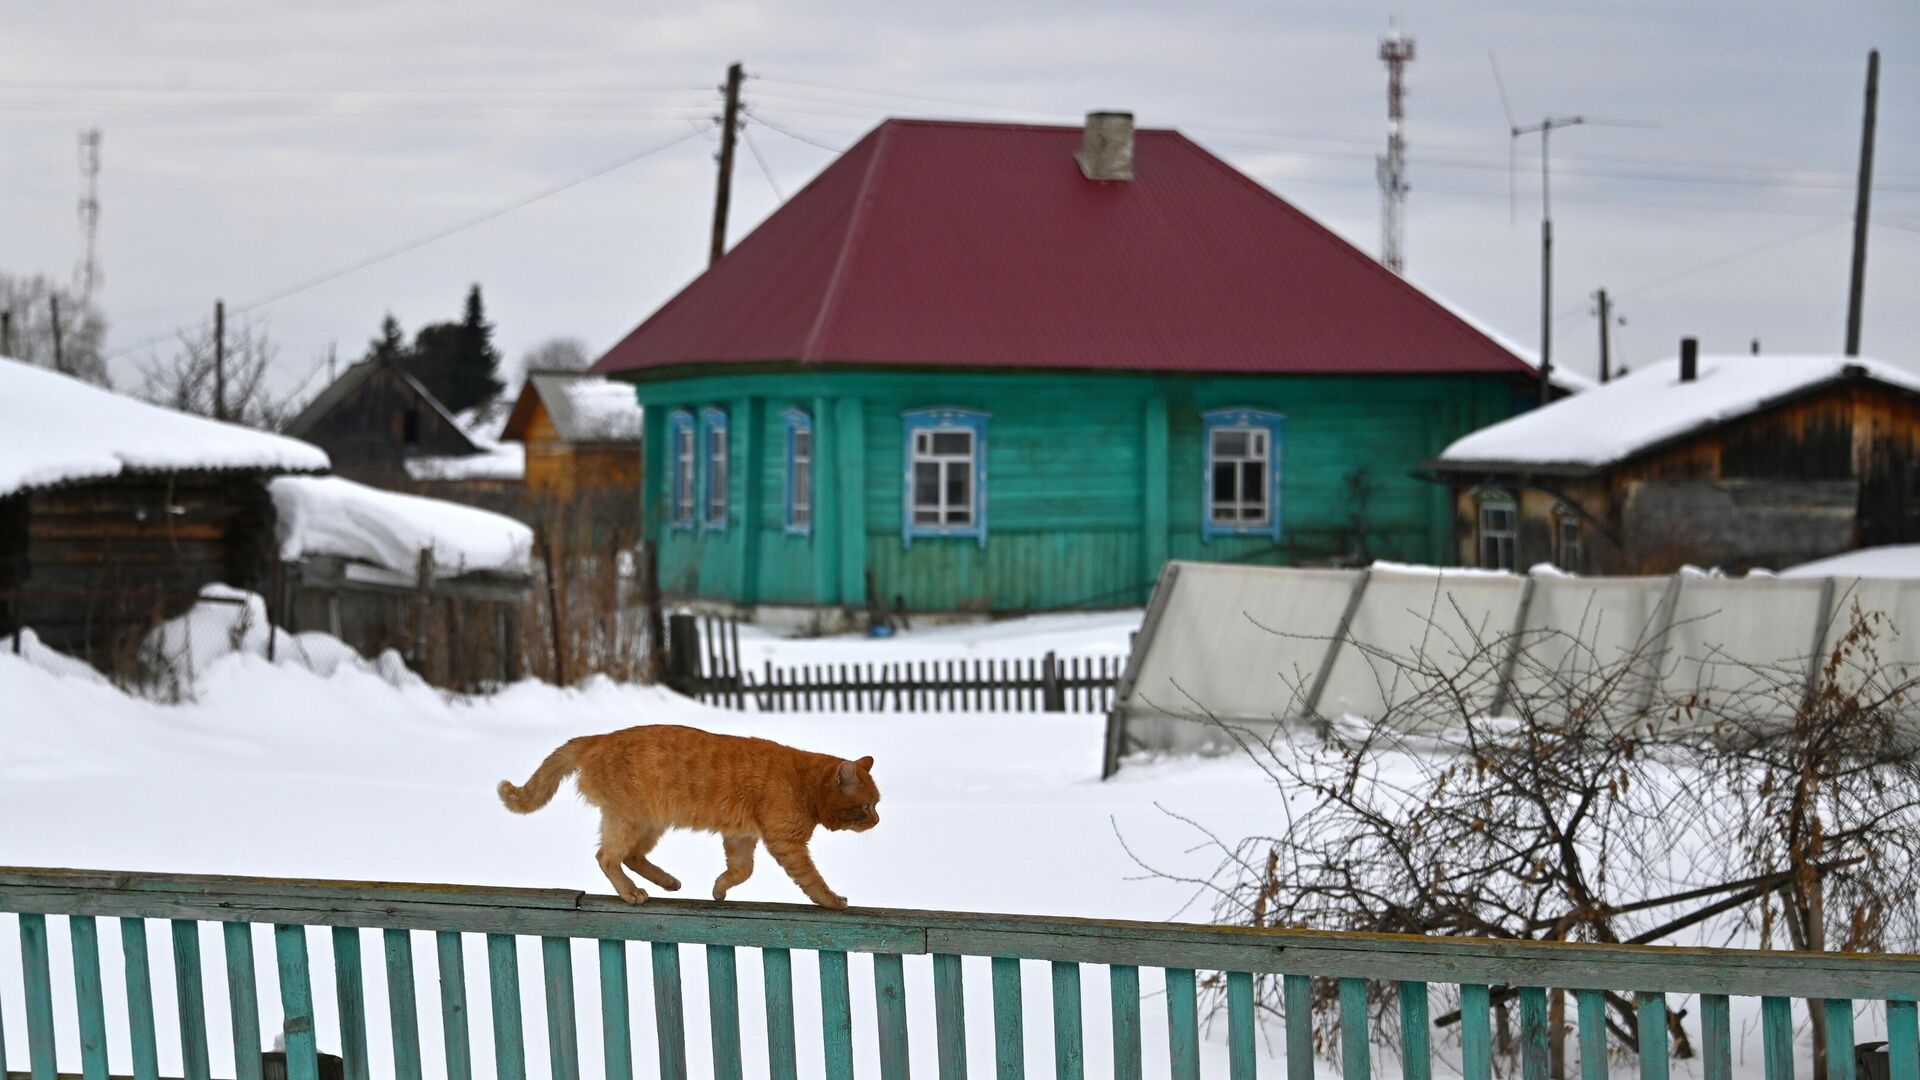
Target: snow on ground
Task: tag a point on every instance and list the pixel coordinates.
(330, 515)
(502, 461)
(60, 429)
(1636, 411)
(345, 772)
(1892, 561)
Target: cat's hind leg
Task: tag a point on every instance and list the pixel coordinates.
(793, 857)
(636, 858)
(617, 837)
(739, 863)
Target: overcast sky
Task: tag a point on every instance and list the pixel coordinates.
(250, 149)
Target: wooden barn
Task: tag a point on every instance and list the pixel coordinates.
(1004, 367)
(581, 435)
(114, 513)
(1737, 461)
(374, 419)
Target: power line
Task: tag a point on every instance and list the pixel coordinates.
(1701, 268)
(762, 161)
(494, 91)
(789, 133)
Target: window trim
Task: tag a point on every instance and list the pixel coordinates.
(1483, 501)
(680, 422)
(1563, 516)
(712, 421)
(1274, 424)
(944, 418)
(798, 423)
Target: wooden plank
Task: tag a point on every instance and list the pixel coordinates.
(950, 1016)
(1009, 1021)
(1903, 1041)
(1476, 1040)
(776, 971)
(1776, 1037)
(616, 1034)
(89, 1000)
(453, 1005)
(1651, 1012)
(139, 970)
(563, 1035)
(350, 991)
(1716, 1037)
(296, 1002)
(1124, 984)
(890, 1005)
(191, 999)
(243, 1000)
(403, 1004)
(836, 1015)
(669, 1018)
(1297, 998)
(723, 1011)
(1356, 1060)
(503, 986)
(1240, 1026)
(1069, 1047)
(1592, 1011)
(1183, 1025)
(1839, 1039)
(1533, 1034)
(39, 996)
(1416, 1051)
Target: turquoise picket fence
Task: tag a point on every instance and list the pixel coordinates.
(1482, 969)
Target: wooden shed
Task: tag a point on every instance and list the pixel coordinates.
(374, 419)
(114, 513)
(582, 438)
(1737, 461)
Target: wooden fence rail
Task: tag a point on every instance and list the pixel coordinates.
(704, 663)
(1480, 968)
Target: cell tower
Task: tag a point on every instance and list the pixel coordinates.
(1397, 52)
(86, 277)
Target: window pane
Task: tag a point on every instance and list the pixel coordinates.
(1229, 442)
(1253, 483)
(1260, 444)
(955, 443)
(1223, 482)
(926, 483)
(802, 485)
(922, 442)
(960, 515)
(959, 483)
(803, 444)
(926, 517)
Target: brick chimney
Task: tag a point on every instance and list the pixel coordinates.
(1106, 151)
(1689, 359)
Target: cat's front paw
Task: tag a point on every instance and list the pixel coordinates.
(831, 901)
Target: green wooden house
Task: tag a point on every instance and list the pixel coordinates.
(1011, 368)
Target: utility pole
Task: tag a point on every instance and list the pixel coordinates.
(6, 333)
(729, 125)
(1397, 52)
(219, 359)
(59, 358)
(1755, 348)
(1859, 282)
(1606, 322)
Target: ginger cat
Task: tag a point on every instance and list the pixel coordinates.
(649, 779)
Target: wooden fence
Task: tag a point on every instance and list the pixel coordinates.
(703, 662)
(1189, 957)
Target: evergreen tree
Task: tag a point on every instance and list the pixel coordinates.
(391, 345)
(457, 361)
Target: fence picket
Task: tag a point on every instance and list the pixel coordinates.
(1592, 1007)
(1123, 981)
(563, 1039)
(950, 1016)
(1240, 1025)
(836, 1015)
(1009, 1027)
(191, 997)
(89, 1001)
(453, 1005)
(890, 1002)
(669, 1019)
(1533, 1033)
(616, 1032)
(1839, 1039)
(1297, 999)
(1069, 1049)
(1903, 1041)
(723, 1011)
(1355, 1061)
(403, 1004)
(39, 992)
(1476, 1042)
(140, 1031)
(1651, 1011)
(243, 1000)
(776, 971)
(351, 995)
(1416, 1053)
(1776, 1034)
(503, 978)
(1183, 1024)
(296, 1002)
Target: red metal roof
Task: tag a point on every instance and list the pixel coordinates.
(982, 245)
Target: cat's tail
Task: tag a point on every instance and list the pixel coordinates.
(539, 788)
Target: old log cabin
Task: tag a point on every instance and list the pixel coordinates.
(1737, 461)
(114, 513)
(1001, 367)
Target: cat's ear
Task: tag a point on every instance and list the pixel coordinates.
(866, 764)
(848, 776)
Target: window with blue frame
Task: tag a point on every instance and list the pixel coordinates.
(1243, 472)
(946, 475)
(680, 463)
(714, 475)
(799, 472)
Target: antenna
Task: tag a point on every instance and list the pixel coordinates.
(86, 276)
(1397, 52)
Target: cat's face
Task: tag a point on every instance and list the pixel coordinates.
(853, 801)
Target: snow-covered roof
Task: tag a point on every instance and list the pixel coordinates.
(328, 515)
(1641, 410)
(337, 392)
(55, 429)
(1891, 561)
(504, 461)
(584, 408)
